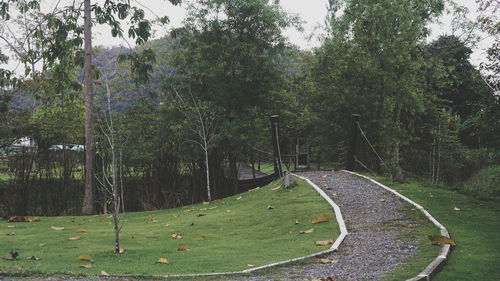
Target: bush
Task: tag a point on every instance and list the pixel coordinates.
(484, 184)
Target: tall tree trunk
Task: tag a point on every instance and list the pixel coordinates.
(88, 199)
(209, 196)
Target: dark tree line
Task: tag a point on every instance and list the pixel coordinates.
(211, 86)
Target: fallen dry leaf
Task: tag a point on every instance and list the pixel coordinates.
(74, 238)
(202, 237)
(322, 218)
(183, 248)
(201, 215)
(102, 220)
(254, 189)
(80, 230)
(456, 209)
(276, 188)
(441, 240)
(104, 273)
(176, 235)
(20, 219)
(41, 245)
(307, 231)
(250, 265)
(85, 258)
(327, 261)
(324, 176)
(239, 198)
(324, 242)
(57, 228)
(296, 222)
(269, 207)
(381, 199)
(121, 251)
(162, 260)
(87, 265)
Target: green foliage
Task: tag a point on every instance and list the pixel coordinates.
(60, 123)
(228, 52)
(485, 184)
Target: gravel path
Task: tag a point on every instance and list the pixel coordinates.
(369, 252)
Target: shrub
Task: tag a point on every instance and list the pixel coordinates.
(484, 184)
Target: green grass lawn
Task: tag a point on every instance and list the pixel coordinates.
(475, 229)
(241, 232)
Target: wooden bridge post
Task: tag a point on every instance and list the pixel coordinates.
(276, 149)
(351, 150)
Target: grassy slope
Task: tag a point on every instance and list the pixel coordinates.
(238, 233)
(475, 228)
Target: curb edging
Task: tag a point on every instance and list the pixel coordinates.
(436, 265)
(334, 248)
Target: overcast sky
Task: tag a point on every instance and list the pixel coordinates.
(312, 12)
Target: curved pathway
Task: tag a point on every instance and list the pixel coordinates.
(370, 250)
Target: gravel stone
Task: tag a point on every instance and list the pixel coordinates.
(369, 252)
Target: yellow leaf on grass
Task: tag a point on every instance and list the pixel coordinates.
(162, 260)
(307, 231)
(88, 265)
(239, 198)
(327, 261)
(104, 273)
(80, 230)
(85, 258)
(202, 237)
(322, 218)
(250, 265)
(324, 243)
(41, 245)
(74, 238)
(57, 228)
(269, 207)
(441, 240)
(183, 248)
(176, 236)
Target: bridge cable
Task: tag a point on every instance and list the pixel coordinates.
(371, 146)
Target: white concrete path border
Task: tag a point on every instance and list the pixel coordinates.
(335, 246)
(440, 260)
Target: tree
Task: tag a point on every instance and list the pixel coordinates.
(201, 118)
(370, 64)
(112, 177)
(230, 53)
(490, 23)
(60, 50)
